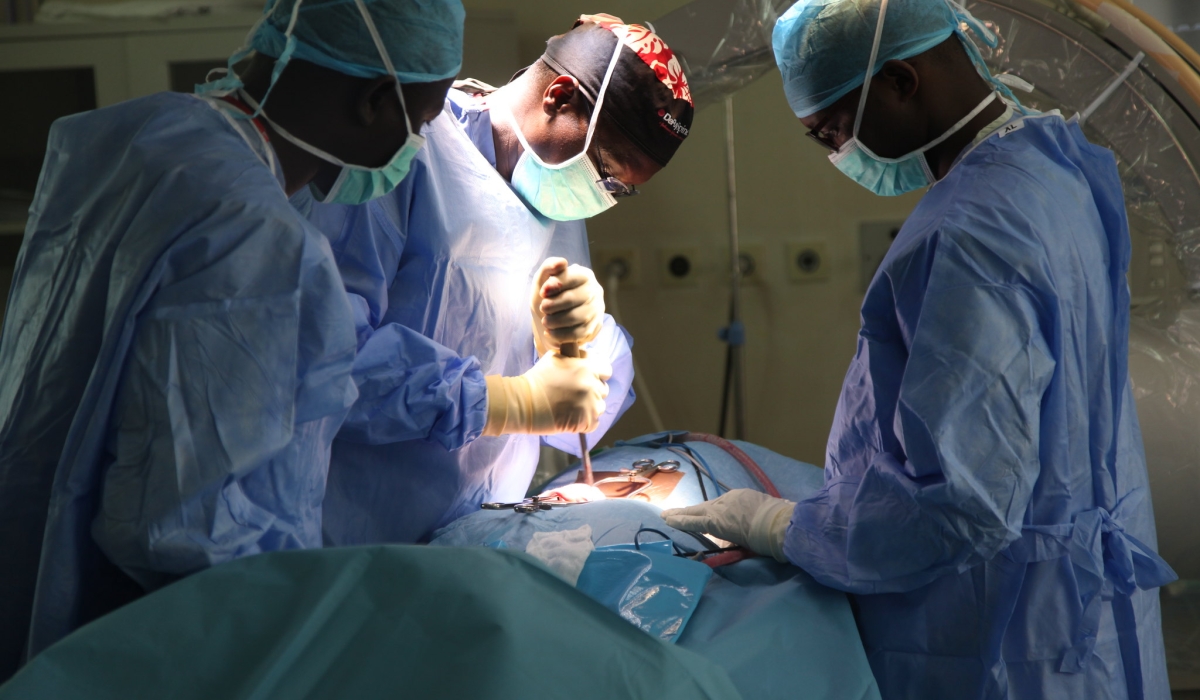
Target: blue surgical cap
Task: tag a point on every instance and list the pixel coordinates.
(423, 38)
(823, 46)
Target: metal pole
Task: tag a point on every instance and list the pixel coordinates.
(735, 280)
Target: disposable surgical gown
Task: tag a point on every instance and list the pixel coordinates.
(175, 361)
(440, 274)
(986, 496)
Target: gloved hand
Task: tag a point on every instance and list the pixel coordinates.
(742, 516)
(567, 305)
(559, 395)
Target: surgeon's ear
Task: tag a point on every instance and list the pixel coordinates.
(559, 94)
(377, 100)
(902, 78)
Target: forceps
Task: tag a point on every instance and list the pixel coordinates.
(529, 505)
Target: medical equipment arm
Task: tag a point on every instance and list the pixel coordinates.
(954, 492)
(224, 417)
(613, 344)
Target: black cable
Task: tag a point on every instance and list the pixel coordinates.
(727, 387)
(679, 551)
(696, 468)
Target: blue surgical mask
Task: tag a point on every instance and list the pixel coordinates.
(355, 184)
(565, 191)
(889, 177)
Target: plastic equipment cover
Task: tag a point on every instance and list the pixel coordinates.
(1156, 141)
(367, 622)
(771, 626)
(647, 585)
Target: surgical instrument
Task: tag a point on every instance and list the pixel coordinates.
(529, 505)
(572, 350)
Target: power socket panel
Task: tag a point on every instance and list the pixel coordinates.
(808, 261)
(627, 259)
(678, 267)
(754, 262)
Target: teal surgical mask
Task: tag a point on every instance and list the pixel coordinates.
(355, 184)
(565, 191)
(889, 177)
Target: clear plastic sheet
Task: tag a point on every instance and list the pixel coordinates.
(723, 45)
(1071, 60)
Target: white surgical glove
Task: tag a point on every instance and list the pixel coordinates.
(567, 305)
(749, 518)
(559, 395)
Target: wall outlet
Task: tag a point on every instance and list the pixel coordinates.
(754, 261)
(808, 261)
(678, 267)
(621, 260)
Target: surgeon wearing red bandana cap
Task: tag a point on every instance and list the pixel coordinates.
(468, 279)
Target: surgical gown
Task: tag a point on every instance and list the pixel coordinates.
(175, 361)
(986, 495)
(440, 274)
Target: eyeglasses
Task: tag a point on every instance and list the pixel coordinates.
(818, 135)
(610, 184)
(822, 140)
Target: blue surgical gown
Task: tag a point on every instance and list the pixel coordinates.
(440, 274)
(986, 496)
(176, 358)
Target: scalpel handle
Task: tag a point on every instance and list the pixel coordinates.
(572, 350)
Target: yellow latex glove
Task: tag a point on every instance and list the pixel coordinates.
(567, 305)
(559, 395)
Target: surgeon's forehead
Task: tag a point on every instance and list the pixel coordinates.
(623, 160)
(845, 107)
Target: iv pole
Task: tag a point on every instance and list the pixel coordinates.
(734, 393)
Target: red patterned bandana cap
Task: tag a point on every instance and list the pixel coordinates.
(649, 47)
(647, 100)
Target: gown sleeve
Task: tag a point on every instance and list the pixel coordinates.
(410, 387)
(235, 384)
(967, 417)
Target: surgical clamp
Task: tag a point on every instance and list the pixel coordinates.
(529, 505)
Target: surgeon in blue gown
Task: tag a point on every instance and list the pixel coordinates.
(986, 497)
(477, 266)
(177, 350)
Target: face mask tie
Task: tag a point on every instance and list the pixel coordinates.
(565, 191)
(890, 177)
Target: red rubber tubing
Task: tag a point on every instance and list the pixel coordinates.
(742, 458)
(733, 556)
